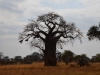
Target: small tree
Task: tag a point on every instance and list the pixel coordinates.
(1, 55)
(94, 32)
(68, 56)
(35, 56)
(6, 57)
(18, 58)
(82, 60)
(96, 58)
(49, 32)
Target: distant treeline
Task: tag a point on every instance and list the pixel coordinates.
(67, 56)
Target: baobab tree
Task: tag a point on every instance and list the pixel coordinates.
(48, 33)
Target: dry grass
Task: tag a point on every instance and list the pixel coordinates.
(40, 69)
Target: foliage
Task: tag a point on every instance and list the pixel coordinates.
(82, 60)
(96, 58)
(94, 32)
(68, 56)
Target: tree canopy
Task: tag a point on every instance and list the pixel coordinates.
(49, 25)
(94, 32)
(68, 56)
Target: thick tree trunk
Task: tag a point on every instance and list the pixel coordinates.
(50, 53)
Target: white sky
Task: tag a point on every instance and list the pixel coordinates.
(14, 14)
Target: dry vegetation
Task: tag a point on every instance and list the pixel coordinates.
(40, 69)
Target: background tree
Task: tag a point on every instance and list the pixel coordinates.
(1, 55)
(83, 60)
(49, 32)
(96, 58)
(6, 58)
(18, 58)
(58, 56)
(27, 60)
(93, 59)
(76, 58)
(94, 32)
(35, 56)
(68, 56)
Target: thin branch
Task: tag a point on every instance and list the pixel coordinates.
(37, 46)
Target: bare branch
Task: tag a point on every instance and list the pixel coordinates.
(50, 27)
(36, 45)
(47, 24)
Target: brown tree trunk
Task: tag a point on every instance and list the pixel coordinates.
(50, 53)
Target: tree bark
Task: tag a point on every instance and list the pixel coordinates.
(50, 53)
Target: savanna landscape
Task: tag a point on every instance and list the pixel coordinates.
(52, 26)
(49, 33)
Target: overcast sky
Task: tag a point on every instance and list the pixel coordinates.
(15, 14)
